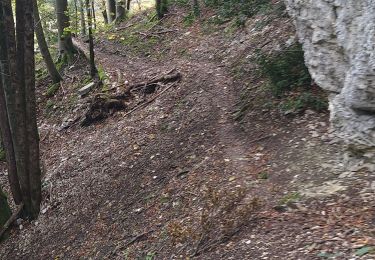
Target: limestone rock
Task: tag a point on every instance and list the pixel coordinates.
(338, 38)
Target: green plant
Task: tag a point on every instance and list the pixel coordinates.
(290, 197)
(285, 70)
(101, 73)
(189, 19)
(304, 101)
(150, 256)
(232, 8)
(51, 91)
(49, 105)
(263, 175)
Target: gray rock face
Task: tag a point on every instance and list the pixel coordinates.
(338, 38)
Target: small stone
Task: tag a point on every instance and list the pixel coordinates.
(86, 89)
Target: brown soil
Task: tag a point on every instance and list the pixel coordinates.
(181, 178)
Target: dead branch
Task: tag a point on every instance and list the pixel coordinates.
(11, 219)
(104, 105)
(149, 101)
(138, 238)
(260, 139)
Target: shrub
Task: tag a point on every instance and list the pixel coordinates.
(285, 70)
(231, 8)
(289, 80)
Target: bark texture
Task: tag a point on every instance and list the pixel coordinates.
(111, 10)
(66, 48)
(83, 21)
(93, 70)
(5, 81)
(161, 8)
(51, 68)
(20, 101)
(120, 10)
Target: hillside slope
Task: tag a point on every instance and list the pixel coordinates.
(182, 177)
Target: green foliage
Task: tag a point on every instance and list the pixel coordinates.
(304, 101)
(101, 73)
(49, 107)
(289, 79)
(285, 70)
(290, 197)
(189, 19)
(232, 8)
(263, 175)
(51, 91)
(150, 256)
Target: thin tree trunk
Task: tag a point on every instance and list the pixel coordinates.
(83, 22)
(14, 100)
(161, 8)
(104, 12)
(66, 48)
(93, 14)
(76, 17)
(111, 10)
(29, 140)
(31, 120)
(20, 101)
(120, 10)
(128, 5)
(52, 71)
(93, 70)
(4, 121)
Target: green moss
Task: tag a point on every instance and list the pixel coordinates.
(51, 91)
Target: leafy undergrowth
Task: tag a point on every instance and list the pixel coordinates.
(181, 178)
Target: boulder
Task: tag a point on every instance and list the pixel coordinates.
(338, 38)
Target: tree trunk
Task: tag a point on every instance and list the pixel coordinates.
(66, 49)
(161, 8)
(52, 71)
(93, 70)
(20, 101)
(83, 22)
(120, 10)
(104, 12)
(4, 121)
(111, 10)
(28, 158)
(128, 5)
(93, 13)
(75, 17)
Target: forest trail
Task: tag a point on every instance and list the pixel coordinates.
(181, 178)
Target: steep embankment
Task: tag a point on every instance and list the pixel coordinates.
(181, 177)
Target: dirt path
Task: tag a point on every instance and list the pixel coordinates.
(140, 185)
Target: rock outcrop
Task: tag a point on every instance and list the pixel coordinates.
(338, 38)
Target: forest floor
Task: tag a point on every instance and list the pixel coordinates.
(182, 177)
